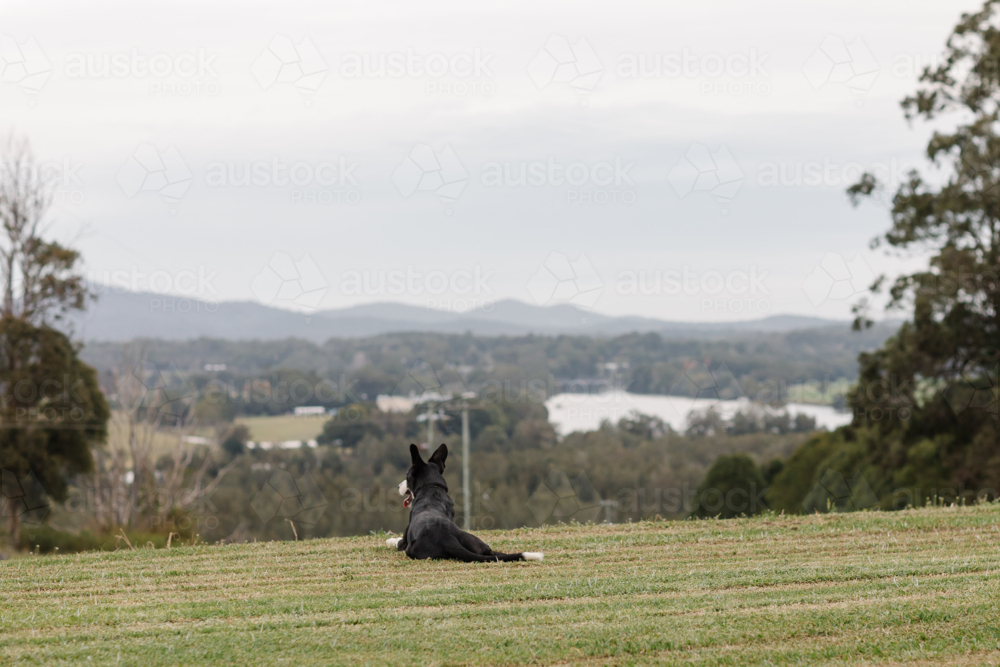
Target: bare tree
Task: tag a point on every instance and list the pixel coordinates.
(148, 469)
(37, 276)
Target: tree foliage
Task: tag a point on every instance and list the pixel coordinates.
(927, 399)
(734, 486)
(52, 410)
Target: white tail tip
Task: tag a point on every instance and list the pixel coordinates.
(533, 555)
(392, 542)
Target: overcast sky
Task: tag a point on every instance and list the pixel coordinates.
(685, 161)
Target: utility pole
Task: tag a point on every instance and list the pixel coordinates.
(466, 497)
(609, 507)
(430, 429)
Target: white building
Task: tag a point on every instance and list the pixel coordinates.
(310, 411)
(387, 403)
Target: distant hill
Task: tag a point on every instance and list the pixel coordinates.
(121, 316)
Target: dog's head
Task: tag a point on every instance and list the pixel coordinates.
(423, 474)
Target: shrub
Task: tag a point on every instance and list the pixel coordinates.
(733, 487)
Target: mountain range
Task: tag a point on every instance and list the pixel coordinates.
(120, 315)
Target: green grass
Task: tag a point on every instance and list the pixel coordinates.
(283, 427)
(914, 587)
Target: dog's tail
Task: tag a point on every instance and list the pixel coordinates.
(459, 552)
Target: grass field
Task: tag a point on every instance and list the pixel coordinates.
(915, 587)
(280, 428)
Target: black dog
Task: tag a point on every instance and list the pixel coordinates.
(431, 532)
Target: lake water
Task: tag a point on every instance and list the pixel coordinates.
(585, 412)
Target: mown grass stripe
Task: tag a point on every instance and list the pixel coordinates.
(868, 588)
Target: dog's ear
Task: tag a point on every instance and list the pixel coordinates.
(440, 454)
(415, 456)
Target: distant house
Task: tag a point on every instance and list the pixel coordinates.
(310, 411)
(286, 444)
(387, 403)
(431, 397)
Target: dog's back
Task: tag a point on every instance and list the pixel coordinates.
(431, 532)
